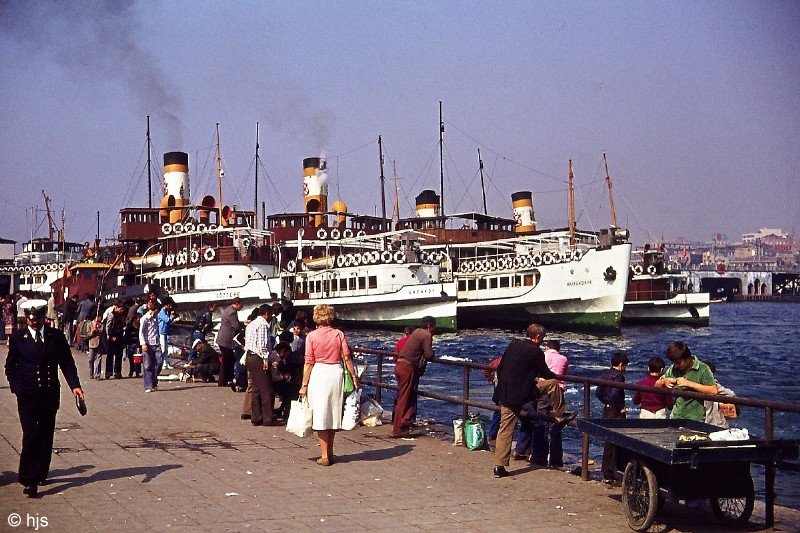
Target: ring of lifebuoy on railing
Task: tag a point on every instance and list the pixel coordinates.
(547, 258)
(348, 233)
(322, 234)
(335, 233)
(361, 233)
(246, 242)
(169, 260)
(386, 256)
(462, 267)
(188, 227)
(470, 266)
(177, 227)
(340, 260)
(536, 260)
(356, 259)
(195, 256)
(212, 227)
(166, 228)
(423, 257)
(376, 256)
(562, 256)
(201, 228)
(637, 270)
(209, 254)
(577, 255)
(290, 265)
(651, 270)
(399, 256)
(480, 266)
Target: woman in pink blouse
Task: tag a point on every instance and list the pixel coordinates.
(326, 347)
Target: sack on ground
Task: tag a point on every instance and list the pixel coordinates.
(474, 434)
(299, 422)
(458, 432)
(351, 410)
(371, 412)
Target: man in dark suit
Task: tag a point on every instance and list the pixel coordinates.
(35, 353)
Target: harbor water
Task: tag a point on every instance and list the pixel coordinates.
(753, 344)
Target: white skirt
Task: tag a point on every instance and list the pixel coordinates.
(325, 396)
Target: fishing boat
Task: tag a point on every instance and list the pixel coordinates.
(658, 293)
(372, 277)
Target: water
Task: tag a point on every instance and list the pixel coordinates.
(754, 346)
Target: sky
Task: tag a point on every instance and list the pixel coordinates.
(696, 105)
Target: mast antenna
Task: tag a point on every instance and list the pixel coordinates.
(220, 174)
(483, 189)
(396, 206)
(149, 168)
(610, 194)
(50, 222)
(441, 158)
(571, 205)
(255, 203)
(383, 185)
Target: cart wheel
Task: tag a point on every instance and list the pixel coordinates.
(735, 511)
(639, 495)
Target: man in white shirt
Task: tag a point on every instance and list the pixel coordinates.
(257, 345)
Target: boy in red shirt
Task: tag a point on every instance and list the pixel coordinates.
(653, 405)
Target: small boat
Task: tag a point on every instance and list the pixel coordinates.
(657, 294)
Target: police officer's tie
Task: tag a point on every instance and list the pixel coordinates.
(39, 341)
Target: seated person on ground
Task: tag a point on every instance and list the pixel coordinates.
(206, 363)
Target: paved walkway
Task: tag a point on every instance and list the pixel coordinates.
(182, 460)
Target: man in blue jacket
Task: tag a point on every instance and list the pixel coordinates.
(35, 353)
(166, 317)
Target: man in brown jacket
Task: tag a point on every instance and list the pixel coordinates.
(411, 361)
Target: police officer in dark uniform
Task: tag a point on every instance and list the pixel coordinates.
(35, 353)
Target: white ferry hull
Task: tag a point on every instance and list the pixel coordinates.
(685, 308)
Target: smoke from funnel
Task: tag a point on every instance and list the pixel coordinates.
(95, 40)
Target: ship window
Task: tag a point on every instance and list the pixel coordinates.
(343, 284)
(326, 286)
(191, 283)
(504, 282)
(373, 282)
(492, 283)
(528, 280)
(352, 284)
(317, 286)
(482, 284)
(471, 283)
(362, 283)
(462, 284)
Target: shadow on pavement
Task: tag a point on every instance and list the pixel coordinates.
(375, 455)
(149, 473)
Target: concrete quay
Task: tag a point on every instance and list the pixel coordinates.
(181, 459)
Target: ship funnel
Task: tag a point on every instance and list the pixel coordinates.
(176, 183)
(523, 211)
(167, 205)
(315, 188)
(340, 208)
(227, 213)
(427, 204)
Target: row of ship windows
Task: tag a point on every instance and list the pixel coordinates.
(495, 282)
(343, 284)
(178, 283)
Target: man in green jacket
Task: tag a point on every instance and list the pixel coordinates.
(687, 372)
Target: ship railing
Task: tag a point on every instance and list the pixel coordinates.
(769, 407)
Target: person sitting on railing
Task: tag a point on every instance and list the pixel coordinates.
(652, 405)
(687, 372)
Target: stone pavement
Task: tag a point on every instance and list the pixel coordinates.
(181, 459)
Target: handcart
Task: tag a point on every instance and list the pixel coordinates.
(655, 460)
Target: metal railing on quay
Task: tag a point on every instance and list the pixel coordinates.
(768, 406)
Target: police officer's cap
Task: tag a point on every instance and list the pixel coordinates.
(35, 309)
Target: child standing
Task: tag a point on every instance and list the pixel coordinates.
(614, 407)
(653, 405)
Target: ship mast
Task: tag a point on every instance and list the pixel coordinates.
(396, 206)
(441, 159)
(149, 168)
(571, 205)
(483, 189)
(50, 222)
(220, 174)
(610, 194)
(383, 185)
(255, 203)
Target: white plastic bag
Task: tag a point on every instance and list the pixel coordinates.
(371, 412)
(351, 410)
(458, 432)
(299, 422)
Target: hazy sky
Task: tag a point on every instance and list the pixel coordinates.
(697, 105)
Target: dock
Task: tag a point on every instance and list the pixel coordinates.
(181, 459)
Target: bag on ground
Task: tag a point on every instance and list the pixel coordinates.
(299, 422)
(458, 432)
(371, 412)
(351, 410)
(474, 434)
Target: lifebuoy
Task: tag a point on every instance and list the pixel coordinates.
(356, 259)
(375, 256)
(169, 260)
(399, 257)
(361, 233)
(536, 260)
(637, 270)
(462, 267)
(335, 233)
(470, 266)
(201, 228)
(577, 254)
(181, 258)
(212, 227)
(322, 234)
(423, 257)
(348, 233)
(340, 260)
(651, 270)
(246, 242)
(166, 228)
(177, 227)
(480, 266)
(492, 264)
(547, 258)
(195, 256)
(562, 256)
(386, 256)
(188, 227)
(209, 254)
(290, 266)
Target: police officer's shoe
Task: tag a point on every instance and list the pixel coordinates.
(31, 490)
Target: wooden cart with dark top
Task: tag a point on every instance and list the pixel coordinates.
(654, 461)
